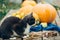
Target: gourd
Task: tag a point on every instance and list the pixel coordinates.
(27, 2)
(46, 12)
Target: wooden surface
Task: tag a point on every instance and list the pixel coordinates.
(58, 18)
(57, 21)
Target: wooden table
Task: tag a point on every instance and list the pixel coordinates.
(57, 21)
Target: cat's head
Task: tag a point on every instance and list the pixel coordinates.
(29, 19)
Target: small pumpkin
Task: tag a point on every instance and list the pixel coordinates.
(27, 2)
(22, 12)
(26, 9)
(19, 15)
(46, 12)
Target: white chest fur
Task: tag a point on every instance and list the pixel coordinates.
(27, 30)
(14, 33)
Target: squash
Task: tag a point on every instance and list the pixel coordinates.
(46, 12)
(27, 2)
(26, 9)
(22, 12)
(19, 15)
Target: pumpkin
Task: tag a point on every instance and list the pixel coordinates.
(22, 12)
(46, 12)
(27, 2)
(35, 16)
(19, 15)
(26, 9)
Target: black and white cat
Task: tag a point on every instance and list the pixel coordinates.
(14, 24)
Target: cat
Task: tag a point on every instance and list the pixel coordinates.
(14, 24)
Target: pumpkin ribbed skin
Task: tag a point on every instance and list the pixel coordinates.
(46, 12)
(26, 9)
(27, 2)
(23, 11)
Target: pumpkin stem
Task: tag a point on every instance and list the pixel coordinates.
(42, 1)
(44, 25)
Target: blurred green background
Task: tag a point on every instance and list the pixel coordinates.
(5, 6)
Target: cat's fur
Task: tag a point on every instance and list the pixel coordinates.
(17, 25)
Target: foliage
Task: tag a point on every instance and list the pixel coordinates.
(5, 6)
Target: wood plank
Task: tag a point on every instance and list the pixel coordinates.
(57, 20)
(59, 13)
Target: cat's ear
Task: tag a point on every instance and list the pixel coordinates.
(31, 14)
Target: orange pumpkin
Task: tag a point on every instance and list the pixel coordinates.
(26, 9)
(27, 2)
(35, 16)
(46, 12)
